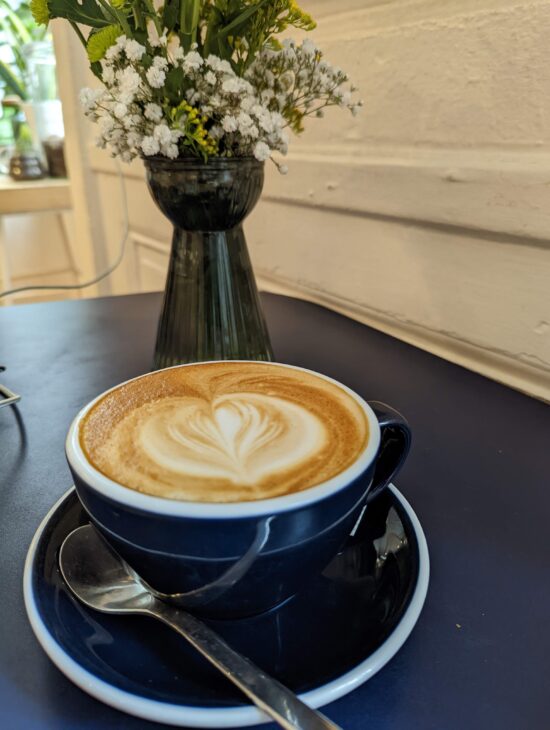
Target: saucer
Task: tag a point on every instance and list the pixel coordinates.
(324, 642)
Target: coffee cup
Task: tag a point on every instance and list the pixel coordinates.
(232, 483)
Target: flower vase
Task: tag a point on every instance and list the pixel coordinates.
(211, 308)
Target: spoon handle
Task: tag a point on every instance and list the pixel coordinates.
(273, 698)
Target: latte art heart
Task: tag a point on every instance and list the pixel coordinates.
(224, 432)
(241, 437)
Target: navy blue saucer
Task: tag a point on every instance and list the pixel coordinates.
(334, 635)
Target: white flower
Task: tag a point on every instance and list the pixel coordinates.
(267, 95)
(134, 140)
(106, 124)
(150, 146)
(134, 50)
(174, 49)
(234, 85)
(153, 112)
(162, 134)
(345, 98)
(152, 33)
(216, 132)
(248, 102)
(193, 97)
(156, 77)
(171, 151)
(287, 80)
(262, 151)
(244, 121)
(210, 78)
(128, 80)
(192, 61)
(217, 64)
(160, 62)
(112, 52)
(308, 47)
(283, 169)
(107, 74)
(90, 97)
(120, 110)
(230, 124)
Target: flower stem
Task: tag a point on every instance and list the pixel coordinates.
(79, 33)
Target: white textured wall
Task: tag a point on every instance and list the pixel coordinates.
(429, 215)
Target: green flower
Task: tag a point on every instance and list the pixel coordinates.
(40, 11)
(101, 40)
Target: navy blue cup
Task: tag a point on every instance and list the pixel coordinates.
(239, 559)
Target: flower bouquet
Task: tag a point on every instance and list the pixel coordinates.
(204, 92)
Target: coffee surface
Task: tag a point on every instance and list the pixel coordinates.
(224, 432)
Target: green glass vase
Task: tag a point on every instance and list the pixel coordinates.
(211, 308)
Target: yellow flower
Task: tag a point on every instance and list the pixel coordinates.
(299, 18)
(101, 40)
(40, 11)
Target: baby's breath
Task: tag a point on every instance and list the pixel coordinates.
(160, 100)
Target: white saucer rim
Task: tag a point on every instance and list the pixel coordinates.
(204, 717)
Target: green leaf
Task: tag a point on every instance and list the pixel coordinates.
(96, 69)
(215, 21)
(86, 12)
(174, 86)
(171, 14)
(237, 23)
(225, 51)
(189, 16)
(146, 61)
(12, 84)
(18, 27)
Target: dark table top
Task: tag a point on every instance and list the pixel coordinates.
(478, 478)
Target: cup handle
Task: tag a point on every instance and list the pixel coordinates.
(395, 442)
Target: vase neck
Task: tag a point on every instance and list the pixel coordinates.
(211, 308)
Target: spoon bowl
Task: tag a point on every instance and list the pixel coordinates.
(99, 577)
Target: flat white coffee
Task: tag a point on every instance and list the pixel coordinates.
(224, 432)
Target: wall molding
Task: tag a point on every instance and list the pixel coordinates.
(357, 20)
(504, 193)
(494, 365)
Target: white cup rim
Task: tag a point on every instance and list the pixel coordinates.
(166, 506)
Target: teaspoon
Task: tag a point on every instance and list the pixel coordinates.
(102, 580)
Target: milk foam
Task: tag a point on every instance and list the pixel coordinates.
(242, 437)
(224, 432)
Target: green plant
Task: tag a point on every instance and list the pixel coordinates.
(233, 30)
(17, 27)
